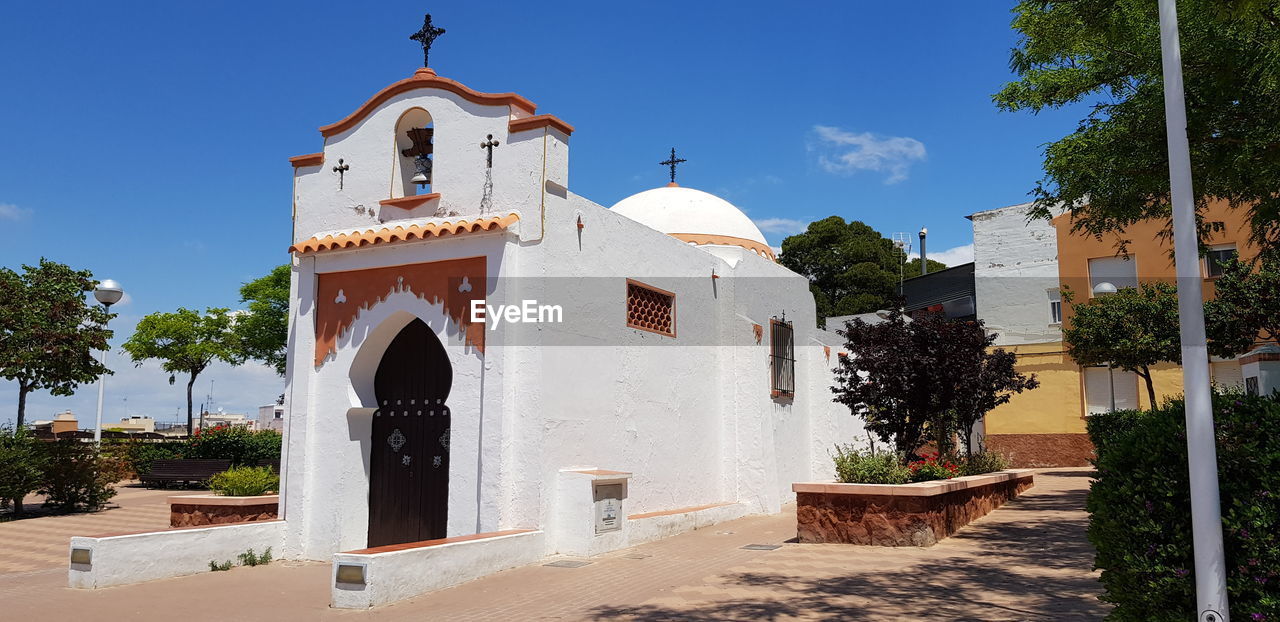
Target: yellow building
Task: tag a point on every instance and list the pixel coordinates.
(1022, 267)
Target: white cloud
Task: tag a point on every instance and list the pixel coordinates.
(951, 256)
(844, 152)
(9, 211)
(785, 226)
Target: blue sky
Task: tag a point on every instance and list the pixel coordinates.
(148, 142)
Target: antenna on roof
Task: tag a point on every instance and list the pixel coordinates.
(902, 243)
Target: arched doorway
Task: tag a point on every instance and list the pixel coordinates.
(409, 459)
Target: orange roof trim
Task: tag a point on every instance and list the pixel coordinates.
(422, 79)
(726, 240)
(311, 159)
(537, 121)
(390, 235)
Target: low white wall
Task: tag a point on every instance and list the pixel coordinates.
(133, 558)
(648, 529)
(397, 575)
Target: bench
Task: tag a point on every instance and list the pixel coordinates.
(164, 472)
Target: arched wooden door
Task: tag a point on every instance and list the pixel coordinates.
(409, 460)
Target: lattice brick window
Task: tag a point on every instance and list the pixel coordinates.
(651, 309)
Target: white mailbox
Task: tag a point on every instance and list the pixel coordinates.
(608, 501)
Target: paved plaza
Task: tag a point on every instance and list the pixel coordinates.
(1028, 560)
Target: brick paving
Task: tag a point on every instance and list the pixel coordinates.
(1028, 560)
(41, 543)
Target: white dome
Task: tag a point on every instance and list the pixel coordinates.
(694, 216)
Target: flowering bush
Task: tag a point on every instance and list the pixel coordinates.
(932, 466)
(1140, 509)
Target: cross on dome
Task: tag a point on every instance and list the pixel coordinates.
(426, 36)
(672, 163)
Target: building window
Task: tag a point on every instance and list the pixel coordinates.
(782, 358)
(1105, 387)
(1055, 306)
(651, 309)
(1119, 271)
(1218, 258)
(1251, 385)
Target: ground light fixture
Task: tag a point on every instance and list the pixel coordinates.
(1104, 289)
(106, 293)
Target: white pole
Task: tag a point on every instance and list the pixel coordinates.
(1202, 458)
(102, 383)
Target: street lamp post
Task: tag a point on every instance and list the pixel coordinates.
(107, 293)
(1202, 453)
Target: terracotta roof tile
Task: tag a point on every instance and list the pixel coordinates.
(389, 235)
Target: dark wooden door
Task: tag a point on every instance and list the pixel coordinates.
(409, 460)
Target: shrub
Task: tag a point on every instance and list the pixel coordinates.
(78, 477)
(245, 481)
(239, 445)
(854, 466)
(932, 466)
(138, 455)
(1140, 509)
(142, 455)
(21, 466)
(983, 462)
(248, 558)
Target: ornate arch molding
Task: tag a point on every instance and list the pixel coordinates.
(342, 296)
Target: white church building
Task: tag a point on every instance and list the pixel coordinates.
(486, 369)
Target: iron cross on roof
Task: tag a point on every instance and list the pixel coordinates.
(672, 163)
(426, 36)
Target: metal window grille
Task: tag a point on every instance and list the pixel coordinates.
(782, 358)
(651, 309)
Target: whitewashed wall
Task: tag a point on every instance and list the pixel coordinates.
(1015, 266)
(690, 417)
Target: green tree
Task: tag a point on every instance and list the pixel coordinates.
(186, 342)
(851, 267)
(21, 466)
(912, 267)
(1114, 168)
(1245, 308)
(1132, 329)
(264, 330)
(908, 378)
(49, 331)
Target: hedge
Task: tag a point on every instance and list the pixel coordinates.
(1140, 509)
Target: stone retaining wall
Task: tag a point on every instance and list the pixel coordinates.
(908, 515)
(200, 510)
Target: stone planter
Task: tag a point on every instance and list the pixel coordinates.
(197, 510)
(917, 514)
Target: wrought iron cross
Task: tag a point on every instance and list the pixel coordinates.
(341, 169)
(426, 36)
(489, 144)
(672, 163)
